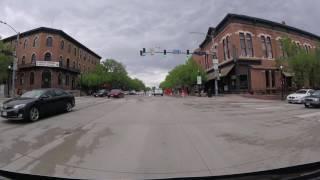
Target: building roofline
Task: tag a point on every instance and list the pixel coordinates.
(53, 31)
(209, 35)
(255, 20)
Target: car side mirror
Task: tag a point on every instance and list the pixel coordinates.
(44, 97)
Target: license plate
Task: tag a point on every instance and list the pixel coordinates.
(4, 113)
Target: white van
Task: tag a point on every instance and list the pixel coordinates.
(158, 92)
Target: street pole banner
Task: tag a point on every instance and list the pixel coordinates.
(199, 81)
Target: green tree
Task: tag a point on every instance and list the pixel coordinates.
(304, 64)
(111, 73)
(6, 59)
(184, 75)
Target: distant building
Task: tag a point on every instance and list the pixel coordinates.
(50, 58)
(247, 48)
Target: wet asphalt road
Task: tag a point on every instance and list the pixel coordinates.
(157, 137)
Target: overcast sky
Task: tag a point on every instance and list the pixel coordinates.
(118, 29)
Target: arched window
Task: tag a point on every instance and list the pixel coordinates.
(69, 48)
(23, 60)
(68, 63)
(224, 49)
(25, 44)
(47, 57)
(243, 44)
(269, 47)
(59, 79)
(49, 42)
(249, 45)
(264, 46)
(62, 44)
(35, 42)
(75, 51)
(33, 59)
(31, 78)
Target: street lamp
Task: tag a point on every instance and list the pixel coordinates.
(282, 82)
(15, 60)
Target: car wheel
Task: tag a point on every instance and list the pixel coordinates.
(307, 106)
(68, 107)
(34, 114)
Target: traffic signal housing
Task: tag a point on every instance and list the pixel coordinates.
(164, 52)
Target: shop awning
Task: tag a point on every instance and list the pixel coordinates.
(210, 76)
(223, 72)
(226, 70)
(288, 74)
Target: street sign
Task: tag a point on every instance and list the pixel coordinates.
(176, 51)
(199, 81)
(215, 61)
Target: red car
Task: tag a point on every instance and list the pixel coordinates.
(116, 93)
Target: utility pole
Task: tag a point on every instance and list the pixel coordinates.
(282, 82)
(215, 63)
(15, 60)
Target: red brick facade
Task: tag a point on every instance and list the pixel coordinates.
(46, 44)
(255, 62)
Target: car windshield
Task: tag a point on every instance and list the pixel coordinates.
(115, 91)
(301, 92)
(101, 91)
(32, 94)
(316, 93)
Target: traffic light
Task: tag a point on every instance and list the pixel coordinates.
(188, 52)
(164, 52)
(141, 54)
(143, 50)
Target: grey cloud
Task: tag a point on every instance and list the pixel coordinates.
(119, 29)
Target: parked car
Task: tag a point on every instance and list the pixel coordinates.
(116, 93)
(101, 93)
(313, 100)
(133, 92)
(158, 92)
(299, 96)
(34, 104)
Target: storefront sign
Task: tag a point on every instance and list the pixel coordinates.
(47, 63)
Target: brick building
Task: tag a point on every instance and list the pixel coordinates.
(50, 58)
(247, 49)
